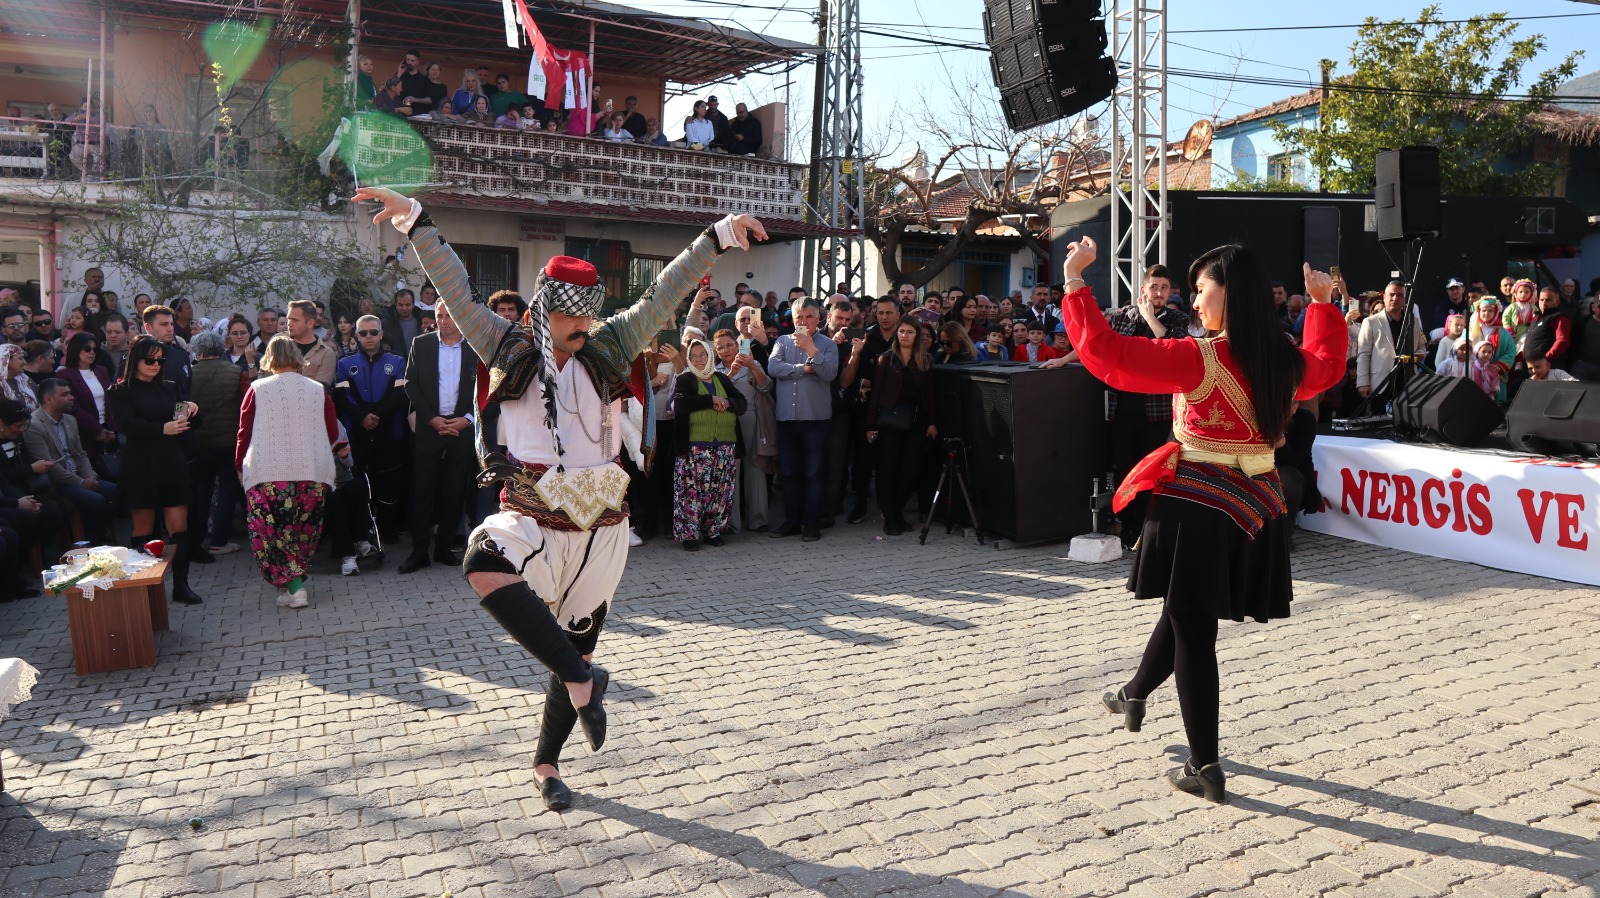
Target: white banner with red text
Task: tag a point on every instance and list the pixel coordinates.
(1533, 515)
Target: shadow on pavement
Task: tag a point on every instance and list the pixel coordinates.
(73, 861)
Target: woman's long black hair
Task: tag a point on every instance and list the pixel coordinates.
(143, 347)
(75, 349)
(1271, 365)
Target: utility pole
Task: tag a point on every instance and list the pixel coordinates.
(808, 264)
(840, 203)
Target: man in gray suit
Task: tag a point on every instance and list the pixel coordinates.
(52, 435)
(441, 382)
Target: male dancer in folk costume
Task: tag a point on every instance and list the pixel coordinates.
(546, 566)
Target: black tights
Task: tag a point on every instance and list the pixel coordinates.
(1184, 644)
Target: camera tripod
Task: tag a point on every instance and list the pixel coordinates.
(951, 478)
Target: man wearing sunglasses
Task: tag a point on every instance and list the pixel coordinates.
(370, 391)
(13, 325)
(44, 327)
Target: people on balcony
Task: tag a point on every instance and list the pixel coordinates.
(87, 153)
(504, 97)
(366, 88)
(390, 100)
(634, 122)
(480, 113)
(414, 83)
(652, 133)
(466, 99)
(616, 128)
(511, 121)
(698, 131)
(434, 92)
(743, 134)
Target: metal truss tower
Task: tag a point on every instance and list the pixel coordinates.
(836, 194)
(1138, 143)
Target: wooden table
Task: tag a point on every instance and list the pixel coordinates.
(116, 629)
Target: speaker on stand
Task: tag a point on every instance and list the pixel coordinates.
(1048, 58)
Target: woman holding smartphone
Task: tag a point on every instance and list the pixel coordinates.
(152, 419)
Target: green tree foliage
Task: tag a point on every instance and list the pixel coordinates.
(1428, 82)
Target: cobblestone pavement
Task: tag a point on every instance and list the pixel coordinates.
(849, 718)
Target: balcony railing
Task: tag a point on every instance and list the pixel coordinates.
(474, 160)
(44, 151)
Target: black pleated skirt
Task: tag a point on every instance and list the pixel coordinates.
(1196, 557)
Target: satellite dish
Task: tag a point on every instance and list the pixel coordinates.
(1198, 140)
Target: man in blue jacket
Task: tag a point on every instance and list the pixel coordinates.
(370, 391)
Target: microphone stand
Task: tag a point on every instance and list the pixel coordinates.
(1405, 362)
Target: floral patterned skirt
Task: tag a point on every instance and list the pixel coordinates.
(702, 501)
(285, 522)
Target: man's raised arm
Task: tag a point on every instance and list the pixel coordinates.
(630, 330)
(481, 327)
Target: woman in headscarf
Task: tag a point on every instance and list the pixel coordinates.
(13, 382)
(707, 407)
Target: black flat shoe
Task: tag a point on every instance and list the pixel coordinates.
(811, 535)
(857, 514)
(446, 558)
(413, 563)
(785, 530)
(592, 717)
(557, 797)
(1131, 709)
(1208, 782)
(691, 545)
(716, 541)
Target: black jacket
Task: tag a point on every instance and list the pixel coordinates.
(687, 398)
(422, 379)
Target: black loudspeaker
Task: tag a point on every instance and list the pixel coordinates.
(1407, 193)
(1035, 444)
(1446, 409)
(1048, 58)
(1555, 416)
(1321, 244)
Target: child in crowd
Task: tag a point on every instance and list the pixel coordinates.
(1035, 350)
(1455, 330)
(993, 349)
(1486, 374)
(1458, 363)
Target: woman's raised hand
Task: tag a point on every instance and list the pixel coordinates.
(1080, 254)
(1319, 284)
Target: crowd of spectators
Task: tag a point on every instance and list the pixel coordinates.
(57, 144)
(779, 414)
(418, 91)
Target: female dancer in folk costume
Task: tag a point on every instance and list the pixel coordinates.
(1215, 542)
(547, 565)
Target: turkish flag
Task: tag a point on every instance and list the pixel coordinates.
(544, 62)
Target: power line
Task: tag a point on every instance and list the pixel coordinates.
(1565, 15)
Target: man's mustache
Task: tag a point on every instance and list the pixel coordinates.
(577, 335)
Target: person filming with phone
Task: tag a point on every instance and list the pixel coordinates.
(803, 366)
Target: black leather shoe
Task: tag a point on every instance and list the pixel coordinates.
(202, 556)
(785, 530)
(592, 717)
(716, 542)
(691, 545)
(1131, 709)
(857, 514)
(557, 797)
(1208, 782)
(811, 535)
(446, 558)
(416, 561)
